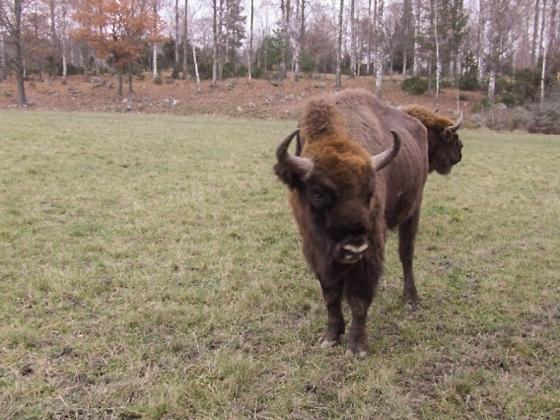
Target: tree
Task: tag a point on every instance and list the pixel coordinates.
(11, 18)
(250, 53)
(116, 29)
(215, 42)
(338, 82)
(378, 47)
(185, 39)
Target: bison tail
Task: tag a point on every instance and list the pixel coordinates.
(320, 118)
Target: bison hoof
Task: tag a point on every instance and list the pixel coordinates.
(327, 344)
(360, 354)
(411, 298)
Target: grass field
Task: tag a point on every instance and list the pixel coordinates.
(149, 267)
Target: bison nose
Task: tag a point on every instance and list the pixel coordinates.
(356, 249)
(352, 251)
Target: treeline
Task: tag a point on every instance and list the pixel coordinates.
(509, 48)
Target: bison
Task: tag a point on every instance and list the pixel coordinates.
(359, 170)
(444, 144)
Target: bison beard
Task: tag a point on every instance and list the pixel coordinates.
(361, 171)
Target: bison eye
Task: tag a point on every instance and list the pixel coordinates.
(319, 197)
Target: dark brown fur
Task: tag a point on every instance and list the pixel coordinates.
(339, 134)
(444, 148)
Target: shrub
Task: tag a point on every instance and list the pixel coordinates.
(415, 85)
(468, 82)
(509, 99)
(545, 119)
(157, 79)
(481, 105)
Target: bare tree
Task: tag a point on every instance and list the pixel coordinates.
(338, 82)
(299, 44)
(368, 38)
(541, 37)
(3, 66)
(416, 50)
(378, 47)
(11, 18)
(185, 40)
(215, 42)
(250, 53)
(176, 34)
(535, 32)
(353, 37)
(63, 36)
(435, 24)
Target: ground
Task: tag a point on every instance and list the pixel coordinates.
(232, 97)
(150, 267)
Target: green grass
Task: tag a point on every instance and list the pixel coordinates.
(150, 267)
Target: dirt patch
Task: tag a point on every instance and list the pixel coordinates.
(232, 97)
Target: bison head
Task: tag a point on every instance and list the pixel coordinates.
(332, 188)
(445, 147)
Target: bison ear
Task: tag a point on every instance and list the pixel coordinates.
(291, 169)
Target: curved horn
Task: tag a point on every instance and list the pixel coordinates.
(296, 164)
(382, 159)
(453, 128)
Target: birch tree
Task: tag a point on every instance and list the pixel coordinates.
(185, 40)
(214, 42)
(416, 48)
(353, 37)
(250, 53)
(379, 48)
(434, 5)
(3, 66)
(176, 52)
(338, 81)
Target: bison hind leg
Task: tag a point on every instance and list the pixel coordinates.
(407, 237)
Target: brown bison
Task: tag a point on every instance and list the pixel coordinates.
(359, 170)
(444, 144)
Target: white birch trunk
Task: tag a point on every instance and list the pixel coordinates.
(2, 57)
(368, 64)
(378, 51)
(492, 84)
(416, 57)
(543, 72)
(196, 68)
(250, 52)
(154, 60)
(214, 43)
(338, 82)
(438, 61)
(481, 37)
(176, 34)
(185, 40)
(353, 37)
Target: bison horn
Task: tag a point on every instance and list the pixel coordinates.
(299, 165)
(382, 159)
(453, 128)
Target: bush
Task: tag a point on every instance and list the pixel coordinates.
(415, 85)
(481, 105)
(157, 79)
(545, 119)
(469, 82)
(509, 99)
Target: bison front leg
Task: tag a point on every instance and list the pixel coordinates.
(407, 236)
(332, 294)
(359, 296)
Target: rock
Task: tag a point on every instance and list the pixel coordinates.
(269, 99)
(500, 106)
(275, 83)
(239, 109)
